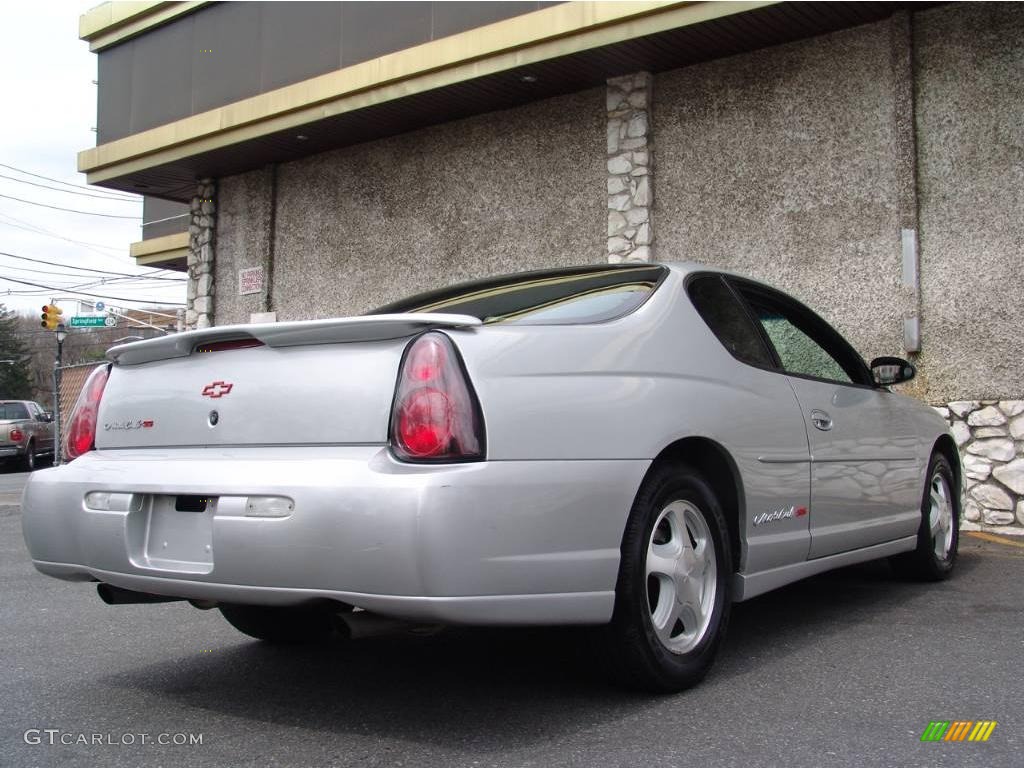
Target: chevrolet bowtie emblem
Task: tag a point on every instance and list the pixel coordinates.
(217, 389)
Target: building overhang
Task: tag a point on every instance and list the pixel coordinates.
(114, 22)
(167, 252)
(556, 50)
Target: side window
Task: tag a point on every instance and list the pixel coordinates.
(728, 320)
(798, 352)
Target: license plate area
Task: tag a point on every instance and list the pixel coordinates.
(173, 533)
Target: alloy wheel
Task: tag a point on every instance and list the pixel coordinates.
(940, 516)
(681, 571)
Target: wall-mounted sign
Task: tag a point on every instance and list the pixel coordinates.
(250, 280)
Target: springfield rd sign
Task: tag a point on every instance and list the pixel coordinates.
(93, 321)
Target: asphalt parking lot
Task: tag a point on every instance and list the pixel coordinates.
(846, 669)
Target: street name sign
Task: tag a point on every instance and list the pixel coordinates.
(93, 321)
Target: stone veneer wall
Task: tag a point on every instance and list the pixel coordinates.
(990, 435)
(630, 229)
(201, 236)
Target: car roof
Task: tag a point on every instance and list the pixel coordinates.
(685, 268)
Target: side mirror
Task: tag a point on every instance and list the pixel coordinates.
(891, 370)
(46, 416)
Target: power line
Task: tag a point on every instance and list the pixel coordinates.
(40, 231)
(71, 191)
(69, 210)
(88, 269)
(156, 282)
(92, 295)
(169, 218)
(46, 271)
(77, 288)
(74, 287)
(37, 230)
(58, 181)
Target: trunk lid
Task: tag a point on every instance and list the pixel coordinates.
(323, 382)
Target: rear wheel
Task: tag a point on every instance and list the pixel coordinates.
(28, 461)
(287, 625)
(939, 534)
(673, 598)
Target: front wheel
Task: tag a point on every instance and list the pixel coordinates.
(672, 599)
(938, 536)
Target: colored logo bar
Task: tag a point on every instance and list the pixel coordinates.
(958, 730)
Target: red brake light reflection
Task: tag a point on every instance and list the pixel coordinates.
(426, 360)
(424, 422)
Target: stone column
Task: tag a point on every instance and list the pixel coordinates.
(201, 233)
(630, 192)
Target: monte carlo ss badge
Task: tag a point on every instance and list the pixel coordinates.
(779, 514)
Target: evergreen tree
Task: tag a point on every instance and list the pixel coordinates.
(16, 375)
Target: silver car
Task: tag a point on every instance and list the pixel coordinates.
(632, 447)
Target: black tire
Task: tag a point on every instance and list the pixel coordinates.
(28, 461)
(281, 625)
(925, 563)
(635, 654)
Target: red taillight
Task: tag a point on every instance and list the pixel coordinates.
(17, 435)
(436, 416)
(81, 430)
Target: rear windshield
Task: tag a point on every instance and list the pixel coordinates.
(551, 297)
(13, 411)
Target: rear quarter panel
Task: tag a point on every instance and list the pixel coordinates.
(629, 388)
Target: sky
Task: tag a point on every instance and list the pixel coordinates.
(49, 110)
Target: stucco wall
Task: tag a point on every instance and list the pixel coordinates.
(368, 224)
(970, 127)
(785, 164)
(243, 240)
(779, 164)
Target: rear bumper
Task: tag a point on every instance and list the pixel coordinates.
(524, 542)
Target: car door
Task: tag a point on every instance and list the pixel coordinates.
(763, 429)
(43, 429)
(863, 460)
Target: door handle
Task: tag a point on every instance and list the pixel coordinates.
(821, 420)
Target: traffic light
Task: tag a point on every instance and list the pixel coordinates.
(51, 317)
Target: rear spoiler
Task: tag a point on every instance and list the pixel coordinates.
(333, 331)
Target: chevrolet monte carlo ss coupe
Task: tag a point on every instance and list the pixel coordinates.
(632, 447)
